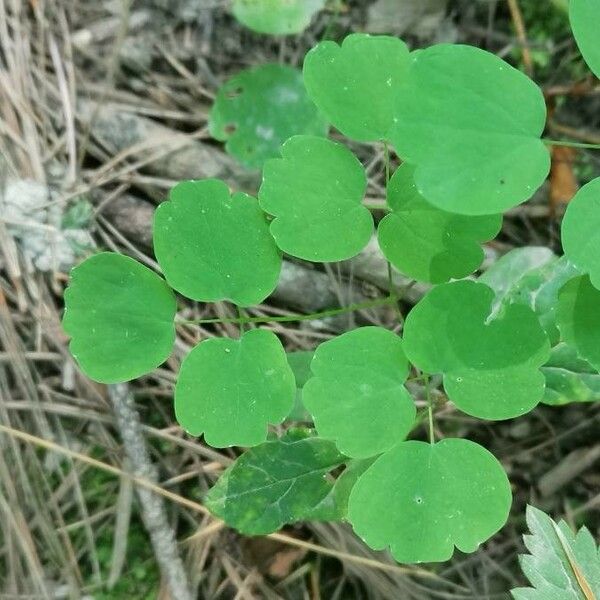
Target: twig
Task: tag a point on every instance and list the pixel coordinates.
(517, 19)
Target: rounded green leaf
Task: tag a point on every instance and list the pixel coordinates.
(580, 230)
(215, 246)
(426, 243)
(354, 84)
(357, 395)
(424, 499)
(258, 109)
(579, 318)
(119, 315)
(276, 17)
(315, 193)
(490, 362)
(230, 390)
(584, 16)
(281, 481)
(471, 124)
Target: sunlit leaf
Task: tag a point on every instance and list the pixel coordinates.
(357, 395)
(119, 315)
(215, 246)
(281, 481)
(471, 124)
(426, 243)
(260, 108)
(490, 362)
(353, 84)
(276, 17)
(315, 193)
(421, 500)
(584, 16)
(230, 390)
(580, 231)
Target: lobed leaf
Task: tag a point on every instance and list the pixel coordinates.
(490, 362)
(354, 84)
(315, 193)
(426, 243)
(230, 390)
(120, 316)
(424, 499)
(584, 16)
(281, 481)
(357, 395)
(276, 17)
(215, 246)
(471, 124)
(258, 109)
(580, 230)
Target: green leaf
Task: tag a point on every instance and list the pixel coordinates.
(315, 193)
(119, 315)
(579, 318)
(580, 230)
(215, 246)
(230, 390)
(490, 361)
(276, 17)
(569, 378)
(426, 243)
(354, 85)
(584, 16)
(471, 124)
(258, 109)
(281, 481)
(357, 395)
(299, 362)
(424, 499)
(562, 565)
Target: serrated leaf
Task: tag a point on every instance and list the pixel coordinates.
(579, 318)
(569, 378)
(491, 363)
(562, 565)
(215, 246)
(315, 193)
(258, 109)
(230, 390)
(424, 499)
(281, 481)
(299, 362)
(276, 17)
(584, 16)
(357, 395)
(426, 243)
(120, 316)
(354, 84)
(580, 230)
(471, 124)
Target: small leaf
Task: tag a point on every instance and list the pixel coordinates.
(562, 565)
(258, 109)
(490, 362)
(569, 378)
(212, 246)
(584, 16)
(299, 362)
(230, 390)
(281, 481)
(276, 17)
(119, 315)
(580, 230)
(426, 243)
(353, 85)
(471, 124)
(315, 193)
(357, 395)
(579, 318)
(424, 499)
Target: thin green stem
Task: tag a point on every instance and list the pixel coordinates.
(243, 316)
(291, 318)
(386, 159)
(571, 144)
(429, 408)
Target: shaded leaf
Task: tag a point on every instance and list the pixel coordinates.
(584, 16)
(424, 499)
(299, 362)
(119, 315)
(276, 17)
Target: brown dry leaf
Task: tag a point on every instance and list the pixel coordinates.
(563, 183)
(270, 557)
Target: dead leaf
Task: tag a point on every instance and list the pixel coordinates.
(563, 184)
